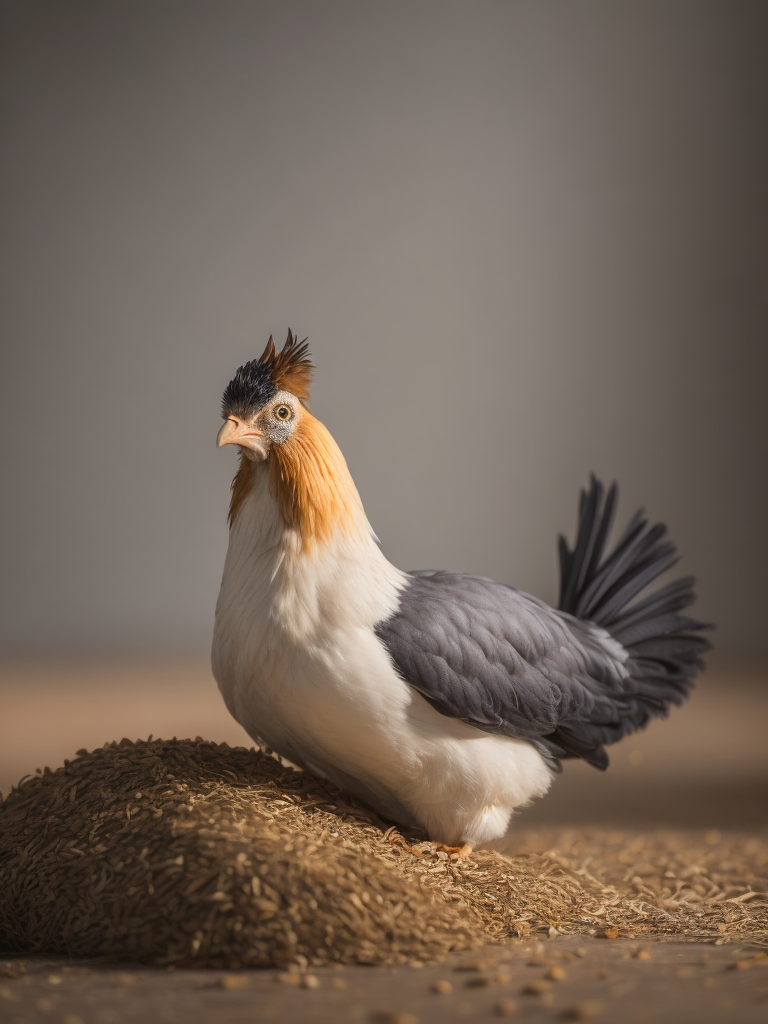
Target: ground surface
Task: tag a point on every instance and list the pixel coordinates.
(705, 768)
(555, 980)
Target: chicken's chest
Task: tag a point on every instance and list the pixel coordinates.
(294, 652)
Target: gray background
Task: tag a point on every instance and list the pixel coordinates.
(527, 240)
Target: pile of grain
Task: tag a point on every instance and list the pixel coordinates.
(195, 854)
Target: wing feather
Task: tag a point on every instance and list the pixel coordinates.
(505, 662)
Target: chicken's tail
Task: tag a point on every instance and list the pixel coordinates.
(664, 646)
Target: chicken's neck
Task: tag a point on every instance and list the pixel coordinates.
(301, 557)
(310, 481)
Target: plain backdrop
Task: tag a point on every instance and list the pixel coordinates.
(527, 240)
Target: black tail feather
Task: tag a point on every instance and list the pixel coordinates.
(664, 647)
(671, 598)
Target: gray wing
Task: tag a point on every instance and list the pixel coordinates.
(507, 663)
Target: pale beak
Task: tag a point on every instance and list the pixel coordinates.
(237, 431)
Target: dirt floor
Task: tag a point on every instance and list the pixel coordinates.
(706, 768)
(563, 979)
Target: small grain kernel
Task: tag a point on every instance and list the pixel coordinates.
(506, 1008)
(339, 983)
(442, 987)
(502, 978)
(234, 982)
(610, 933)
(642, 954)
(739, 965)
(12, 970)
(398, 1017)
(537, 988)
(584, 1011)
(555, 973)
(288, 978)
(310, 981)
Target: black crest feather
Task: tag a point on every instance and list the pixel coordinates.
(260, 379)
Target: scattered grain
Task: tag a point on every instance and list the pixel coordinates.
(740, 965)
(555, 973)
(537, 988)
(310, 981)
(584, 1011)
(234, 982)
(506, 1008)
(11, 969)
(442, 987)
(231, 860)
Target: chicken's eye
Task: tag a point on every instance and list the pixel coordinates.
(283, 412)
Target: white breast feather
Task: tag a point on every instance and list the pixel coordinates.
(299, 666)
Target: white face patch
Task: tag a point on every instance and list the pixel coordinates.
(279, 417)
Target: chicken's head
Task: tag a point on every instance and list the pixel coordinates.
(262, 404)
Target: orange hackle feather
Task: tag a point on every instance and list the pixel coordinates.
(312, 485)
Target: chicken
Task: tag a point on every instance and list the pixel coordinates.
(443, 700)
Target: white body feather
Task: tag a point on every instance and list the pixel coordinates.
(299, 666)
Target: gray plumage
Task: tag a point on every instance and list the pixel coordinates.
(567, 680)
